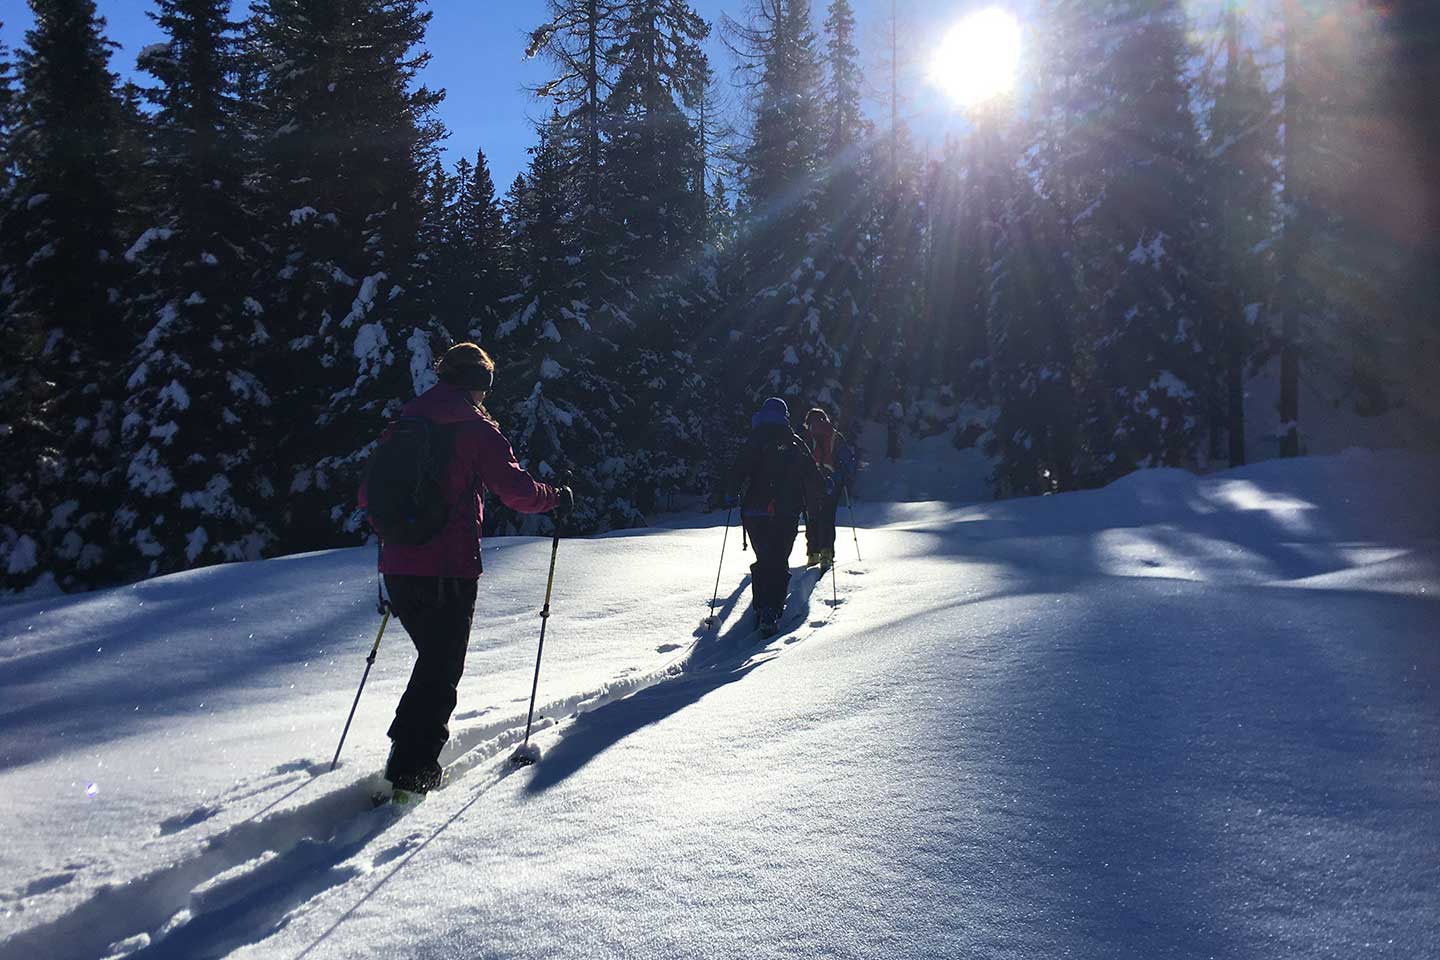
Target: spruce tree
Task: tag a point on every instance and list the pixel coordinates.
(577, 39)
(784, 345)
(1027, 287)
(653, 161)
(197, 487)
(846, 251)
(65, 335)
(556, 399)
(1143, 400)
(349, 135)
(1241, 158)
(481, 260)
(651, 153)
(7, 117)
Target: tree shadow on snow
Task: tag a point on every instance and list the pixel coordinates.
(729, 657)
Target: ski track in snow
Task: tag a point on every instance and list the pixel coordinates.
(247, 881)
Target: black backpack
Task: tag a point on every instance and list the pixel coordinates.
(403, 482)
(775, 481)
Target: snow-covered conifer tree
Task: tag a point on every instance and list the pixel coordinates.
(349, 135)
(783, 346)
(653, 161)
(1241, 159)
(1142, 399)
(555, 395)
(65, 335)
(478, 245)
(198, 488)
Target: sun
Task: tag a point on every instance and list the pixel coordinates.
(977, 60)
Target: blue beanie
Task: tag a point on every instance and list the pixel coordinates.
(772, 411)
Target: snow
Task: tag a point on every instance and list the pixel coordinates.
(422, 362)
(146, 239)
(1152, 253)
(172, 395)
(361, 306)
(1177, 717)
(20, 557)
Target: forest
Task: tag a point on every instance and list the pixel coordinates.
(219, 284)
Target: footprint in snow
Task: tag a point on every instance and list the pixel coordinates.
(396, 851)
(184, 821)
(667, 647)
(46, 884)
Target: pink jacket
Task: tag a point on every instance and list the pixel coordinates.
(482, 459)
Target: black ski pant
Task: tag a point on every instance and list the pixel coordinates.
(820, 525)
(436, 612)
(772, 537)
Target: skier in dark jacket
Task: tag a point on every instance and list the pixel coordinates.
(836, 459)
(432, 585)
(779, 479)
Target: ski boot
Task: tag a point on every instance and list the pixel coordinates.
(769, 622)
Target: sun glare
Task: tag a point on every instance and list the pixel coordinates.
(977, 59)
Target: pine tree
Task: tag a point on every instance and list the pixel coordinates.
(197, 487)
(1027, 289)
(7, 117)
(654, 160)
(577, 38)
(558, 405)
(65, 338)
(1346, 324)
(1143, 340)
(1241, 158)
(784, 346)
(481, 259)
(845, 124)
(954, 349)
(845, 252)
(349, 135)
(651, 153)
(435, 268)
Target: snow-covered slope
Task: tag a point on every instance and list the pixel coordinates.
(1176, 717)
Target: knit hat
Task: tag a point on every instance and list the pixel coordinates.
(772, 411)
(466, 365)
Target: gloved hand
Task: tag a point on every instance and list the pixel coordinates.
(565, 504)
(730, 502)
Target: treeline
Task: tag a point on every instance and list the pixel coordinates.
(217, 287)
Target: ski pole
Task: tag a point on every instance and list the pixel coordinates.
(834, 589)
(728, 512)
(369, 662)
(849, 507)
(743, 545)
(525, 755)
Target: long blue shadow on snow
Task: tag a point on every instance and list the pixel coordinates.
(1148, 739)
(728, 657)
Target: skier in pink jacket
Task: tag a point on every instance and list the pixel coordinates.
(432, 584)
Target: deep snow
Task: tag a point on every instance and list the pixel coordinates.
(1178, 717)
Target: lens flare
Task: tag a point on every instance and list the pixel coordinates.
(977, 60)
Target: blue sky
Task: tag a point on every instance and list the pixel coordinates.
(477, 48)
